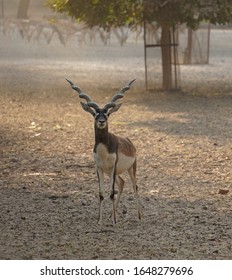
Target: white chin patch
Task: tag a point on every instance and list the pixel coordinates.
(101, 125)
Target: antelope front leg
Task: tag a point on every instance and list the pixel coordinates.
(112, 184)
(100, 175)
(120, 182)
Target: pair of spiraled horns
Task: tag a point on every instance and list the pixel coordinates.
(93, 104)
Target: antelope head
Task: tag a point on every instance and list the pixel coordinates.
(101, 115)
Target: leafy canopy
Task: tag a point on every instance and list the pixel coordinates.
(117, 13)
(190, 12)
(102, 13)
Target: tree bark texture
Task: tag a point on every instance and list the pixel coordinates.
(166, 50)
(23, 9)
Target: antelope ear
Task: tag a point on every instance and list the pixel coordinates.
(88, 109)
(114, 109)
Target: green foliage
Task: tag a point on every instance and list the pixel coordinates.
(172, 12)
(116, 13)
(102, 13)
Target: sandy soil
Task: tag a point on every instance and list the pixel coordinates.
(48, 185)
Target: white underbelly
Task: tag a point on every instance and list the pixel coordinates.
(124, 163)
(106, 161)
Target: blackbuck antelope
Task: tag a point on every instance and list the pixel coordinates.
(113, 155)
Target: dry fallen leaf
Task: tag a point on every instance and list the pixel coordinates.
(223, 191)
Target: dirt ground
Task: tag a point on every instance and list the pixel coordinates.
(48, 184)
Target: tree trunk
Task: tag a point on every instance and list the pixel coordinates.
(166, 51)
(2, 8)
(188, 51)
(23, 9)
